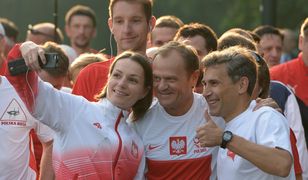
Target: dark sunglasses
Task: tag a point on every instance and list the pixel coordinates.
(257, 57)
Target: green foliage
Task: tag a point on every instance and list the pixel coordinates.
(221, 15)
(242, 14)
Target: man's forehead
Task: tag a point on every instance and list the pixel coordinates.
(270, 37)
(172, 57)
(80, 17)
(168, 67)
(216, 69)
(132, 8)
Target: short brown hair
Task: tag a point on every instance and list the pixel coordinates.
(239, 63)
(80, 10)
(142, 105)
(82, 61)
(63, 63)
(188, 54)
(193, 29)
(267, 29)
(10, 28)
(240, 31)
(147, 6)
(230, 39)
(169, 21)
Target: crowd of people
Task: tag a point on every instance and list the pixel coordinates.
(177, 101)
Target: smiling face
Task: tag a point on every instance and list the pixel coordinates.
(220, 91)
(126, 84)
(129, 26)
(173, 83)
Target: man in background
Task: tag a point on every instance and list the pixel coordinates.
(42, 32)
(129, 21)
(202, 38)
(295, 74)
(165, 30)
(270, 44)
(80, 28)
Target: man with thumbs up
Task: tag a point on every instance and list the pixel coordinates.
(254, 144)
(168, 129)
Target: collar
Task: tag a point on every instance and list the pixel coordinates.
(106, 104)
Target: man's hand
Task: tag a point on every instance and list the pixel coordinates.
(209, 134)
(30, 52)
(267, 102)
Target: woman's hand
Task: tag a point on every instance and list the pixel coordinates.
(31, 53)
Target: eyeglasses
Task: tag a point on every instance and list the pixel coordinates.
(36, 32)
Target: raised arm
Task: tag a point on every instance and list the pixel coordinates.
(54, 108)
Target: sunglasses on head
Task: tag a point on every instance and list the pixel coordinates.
(257, 57)
(36, 32)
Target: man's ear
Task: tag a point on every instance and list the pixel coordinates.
(300, 42)
(110, 24)
(152, 23)
(195, 76)
(243, 85)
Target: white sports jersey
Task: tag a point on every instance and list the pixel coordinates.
(16, 157)
(92, 139)
(286, 98)
(171, 147)
(264, 126)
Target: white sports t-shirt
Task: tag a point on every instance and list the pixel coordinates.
(264, 126)
(171, 147)
(16, 156)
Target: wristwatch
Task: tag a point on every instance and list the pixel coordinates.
(226, 137)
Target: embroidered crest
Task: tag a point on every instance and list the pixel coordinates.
(178, 145)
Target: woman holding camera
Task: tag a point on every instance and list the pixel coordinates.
(92, 139)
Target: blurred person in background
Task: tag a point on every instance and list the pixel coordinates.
(164, 30)
(202, 38)
(270, 44)
(11, 33)
(80, 28)
(81, 62)
(294, 74)
(42, 32)
(289, 48)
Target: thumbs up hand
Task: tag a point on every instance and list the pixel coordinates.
(209, 134)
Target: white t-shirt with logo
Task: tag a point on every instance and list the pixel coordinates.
(16, 156)
(264, 126)
(171, 147)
